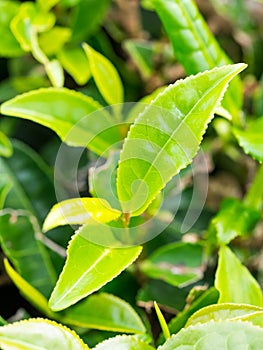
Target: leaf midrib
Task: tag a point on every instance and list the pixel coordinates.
(173, 133)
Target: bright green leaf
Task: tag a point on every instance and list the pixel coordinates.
(226, 228)
(76, 63)
(225, 335)
(51, 46)
(6, 149)
(123, 343)
(162, 321)
(234, 281)
(77, 211)
(251, 139)
(166, 136)
(47, 4)
(88, 267)
(178, 264)
(39, 334)
(195, 46)
(106, 312)
(69, 114)
(28, 291)
(208, 297)
(105, 75)
(222, 312)
(9, 46)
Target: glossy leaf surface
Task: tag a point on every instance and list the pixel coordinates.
(105, 75)
(234, 281)
(88, 267)
(77, 211)
(223, 335)
(251, 139)
(106, 312)
(221, 312)
(166, 136)
(195, 46)
(123, 343)
(69, 114)
(39, 334)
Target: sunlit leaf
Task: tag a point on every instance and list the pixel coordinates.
(234, 281)
(105, 75)
(123, 343)
(77, 211)
(39, 334)
(221, 312)
(69, 114)
(75, 62)
(9, 46)
(88, 267)
(166, 136)
(223, 335)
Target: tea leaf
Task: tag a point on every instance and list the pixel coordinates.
(88, 267)
(69, 114)
(77, 211)
(39, 334)
(166, 136)
(234, 281)
(105, 75)
(123, 343)
(223, 335)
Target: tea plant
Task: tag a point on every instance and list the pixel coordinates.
(87, 279)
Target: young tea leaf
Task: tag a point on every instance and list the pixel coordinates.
(77, 211)
(166, 136)
(123, 343)
(76, 63)
(105, 75)
(222, 312)
(69, 114)
(234, 281)
(88, 267)
(223, 335)
(28, 291)
(39, 334)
